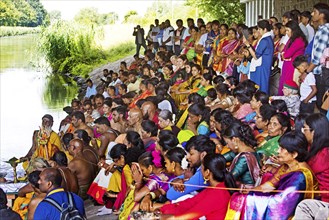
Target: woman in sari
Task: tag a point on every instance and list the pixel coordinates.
(220, 41)
(316, 131)
(166, 122)
(205, 84)
(244, 160)
(181, 62)
(225, 63)
(189, 42)
(144, 93)
(214, 172)
(149, 134)
(263, 117)
(277, 38)
(279, 124)
(294, 174)
(189, 86)
(198, 119)
(242, 98)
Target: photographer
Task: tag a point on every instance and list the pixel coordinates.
(139, 38)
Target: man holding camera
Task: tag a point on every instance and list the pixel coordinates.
(139, 38)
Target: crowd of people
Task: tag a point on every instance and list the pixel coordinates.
(191, 129)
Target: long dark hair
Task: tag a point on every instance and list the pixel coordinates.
(320, 125)
(199, 109)
(241, 131)
(296, 33)
(135, 139)
(216, 164)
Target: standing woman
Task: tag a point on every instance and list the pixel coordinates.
(295, 46)
(260, 67)
(189, 43)
(277, 38)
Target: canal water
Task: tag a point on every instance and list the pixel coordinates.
(27, 92)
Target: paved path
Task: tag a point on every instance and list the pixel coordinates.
(91, 212)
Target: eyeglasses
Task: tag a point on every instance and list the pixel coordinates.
(304, 129)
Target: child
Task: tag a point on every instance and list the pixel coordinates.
(243, 67)
(291, 97)
(308, 88)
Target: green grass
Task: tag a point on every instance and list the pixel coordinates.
(14, 31)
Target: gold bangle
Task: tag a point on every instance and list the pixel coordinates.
(152, 194)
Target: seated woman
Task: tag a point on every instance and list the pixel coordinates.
(316, 131)
(258, 99)
(191, 99)
(144, 93)
(166, 141)
(242, 98)
(149, 134)
(151, 169)
(245, 161)
(198, 119)
(214, 172)
(205, 84)
(189, 86)
(166, 122)
(279, 124)
(263, 117)
(175, 161)
(223, 94)
(294, 174)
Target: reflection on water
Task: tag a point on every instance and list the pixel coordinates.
(25, 96)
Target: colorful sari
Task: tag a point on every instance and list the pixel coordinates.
(217, 50)
(144, 95)
(270, 147)
(191, 84)
(278, 205)
(189, 52)
(226, 64)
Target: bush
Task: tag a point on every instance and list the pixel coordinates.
(70, 48)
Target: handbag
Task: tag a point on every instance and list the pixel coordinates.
(325, 101)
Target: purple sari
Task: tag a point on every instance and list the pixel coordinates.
(278, 205)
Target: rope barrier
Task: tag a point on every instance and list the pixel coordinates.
(239, 189)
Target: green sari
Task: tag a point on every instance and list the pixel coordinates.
(270, 147)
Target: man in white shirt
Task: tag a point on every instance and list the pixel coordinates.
(168, 36)
(155, 31)
(178, 37)
(305, 18)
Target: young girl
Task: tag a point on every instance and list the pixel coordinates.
(244, 66)
(148, 177)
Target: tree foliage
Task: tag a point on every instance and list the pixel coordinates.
(91, 16)
(28, 13)
(227, 11)
(128, 16)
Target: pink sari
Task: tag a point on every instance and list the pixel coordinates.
(226, 62)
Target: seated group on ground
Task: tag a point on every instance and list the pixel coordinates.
(194, 129)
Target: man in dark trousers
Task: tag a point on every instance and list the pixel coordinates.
(139, 38)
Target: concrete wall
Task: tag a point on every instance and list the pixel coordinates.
(268, 8)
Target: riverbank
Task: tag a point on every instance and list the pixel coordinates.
(6, 31)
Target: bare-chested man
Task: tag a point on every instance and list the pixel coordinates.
(81, 167)
(119, 118)
(79, 122)
(135, 118)
(70, 181)
(107, 135)
(33, 179)
(89, 152)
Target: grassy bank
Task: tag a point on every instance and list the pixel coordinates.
(71, 48)
(14, 31)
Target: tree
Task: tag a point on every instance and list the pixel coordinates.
(55, 15)
(227, 11)
(87, 16)
(129, 14)
(9, 15)
(40, 11)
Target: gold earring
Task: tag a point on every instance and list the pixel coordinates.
(205, 180)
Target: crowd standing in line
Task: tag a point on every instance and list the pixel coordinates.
(195, 128)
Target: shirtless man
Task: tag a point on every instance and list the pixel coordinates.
(135, 118)
(119, 118)
(89, 152)
(103, 127)
(33, 179)
(81, 167)
(70, 181)
(79, 122)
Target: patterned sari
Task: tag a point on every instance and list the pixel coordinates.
(275, 205)
(222, 42)
(189, 52)
(269, 147)
(226, 64)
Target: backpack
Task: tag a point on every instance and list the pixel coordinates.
(68, 211)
